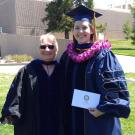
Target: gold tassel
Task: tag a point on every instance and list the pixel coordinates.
(94, 28)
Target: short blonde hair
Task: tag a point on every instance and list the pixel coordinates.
(49, 37)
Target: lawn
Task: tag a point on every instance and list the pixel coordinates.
(5, 81)
(123, 47)
(128, 125)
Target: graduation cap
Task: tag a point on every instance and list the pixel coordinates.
(82, 12)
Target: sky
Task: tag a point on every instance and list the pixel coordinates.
(100, 3)
(105, 3)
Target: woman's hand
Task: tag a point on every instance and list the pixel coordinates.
(95, 112)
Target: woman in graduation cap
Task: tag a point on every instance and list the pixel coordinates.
(91, 66)
(32, 104)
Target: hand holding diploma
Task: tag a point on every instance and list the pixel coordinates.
(95, 112)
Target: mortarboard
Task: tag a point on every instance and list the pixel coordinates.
(82, 12)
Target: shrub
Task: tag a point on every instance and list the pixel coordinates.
(18, 57)
(127, 30)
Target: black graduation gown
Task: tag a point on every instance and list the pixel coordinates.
(101, 74)
(33, 101)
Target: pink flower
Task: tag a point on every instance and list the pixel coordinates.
(96, 47)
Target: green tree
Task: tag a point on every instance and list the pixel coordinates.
(53, 17)
(133, 30)
(127, 30)
(88, 3)
(56, 18)
(57, 21)
(101, 28)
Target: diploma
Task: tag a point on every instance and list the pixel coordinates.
(85, 99)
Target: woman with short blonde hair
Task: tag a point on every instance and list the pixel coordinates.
(33, 101)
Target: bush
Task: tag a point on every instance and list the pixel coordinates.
(18, 58)
(127, 30)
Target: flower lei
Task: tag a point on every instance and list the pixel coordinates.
(95, 48)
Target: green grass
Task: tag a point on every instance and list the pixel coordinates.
(128, 125)
(5, 81)
(130, 75)
(123, 47)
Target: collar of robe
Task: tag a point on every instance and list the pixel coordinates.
(48, 62)
(83, 47)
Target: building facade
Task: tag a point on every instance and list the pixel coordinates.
(29, 14)
(24, 17)
(114, 20)
(122, 4)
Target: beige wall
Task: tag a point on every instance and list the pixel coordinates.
(7, 16)
(19, 44)
(29, 14)
(115, 21)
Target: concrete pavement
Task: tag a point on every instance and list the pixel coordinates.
(127, 62)
(10, 69)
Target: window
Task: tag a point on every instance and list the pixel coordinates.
(0, 29)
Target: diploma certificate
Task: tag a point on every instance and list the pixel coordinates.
(85, 99)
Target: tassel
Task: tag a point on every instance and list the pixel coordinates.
(94, 28)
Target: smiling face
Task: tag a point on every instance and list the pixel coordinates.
(82, 31)
(48, 47)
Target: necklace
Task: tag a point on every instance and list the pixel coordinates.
(95, 48)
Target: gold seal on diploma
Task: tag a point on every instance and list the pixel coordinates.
(86, 97)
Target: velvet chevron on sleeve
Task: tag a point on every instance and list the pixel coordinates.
(112, 85)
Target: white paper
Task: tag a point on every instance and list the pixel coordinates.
(85, 99)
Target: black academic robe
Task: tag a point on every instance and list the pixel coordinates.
(101, 74)
(34, 101)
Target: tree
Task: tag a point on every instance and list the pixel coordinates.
(53, 15)
(88, 3)
(127, 30)
(56, 18)
(101, 28)
(57, 21)
(133, 31)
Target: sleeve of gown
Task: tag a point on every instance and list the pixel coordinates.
(14, 101)
(112, 85)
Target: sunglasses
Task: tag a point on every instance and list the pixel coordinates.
(49, 46)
